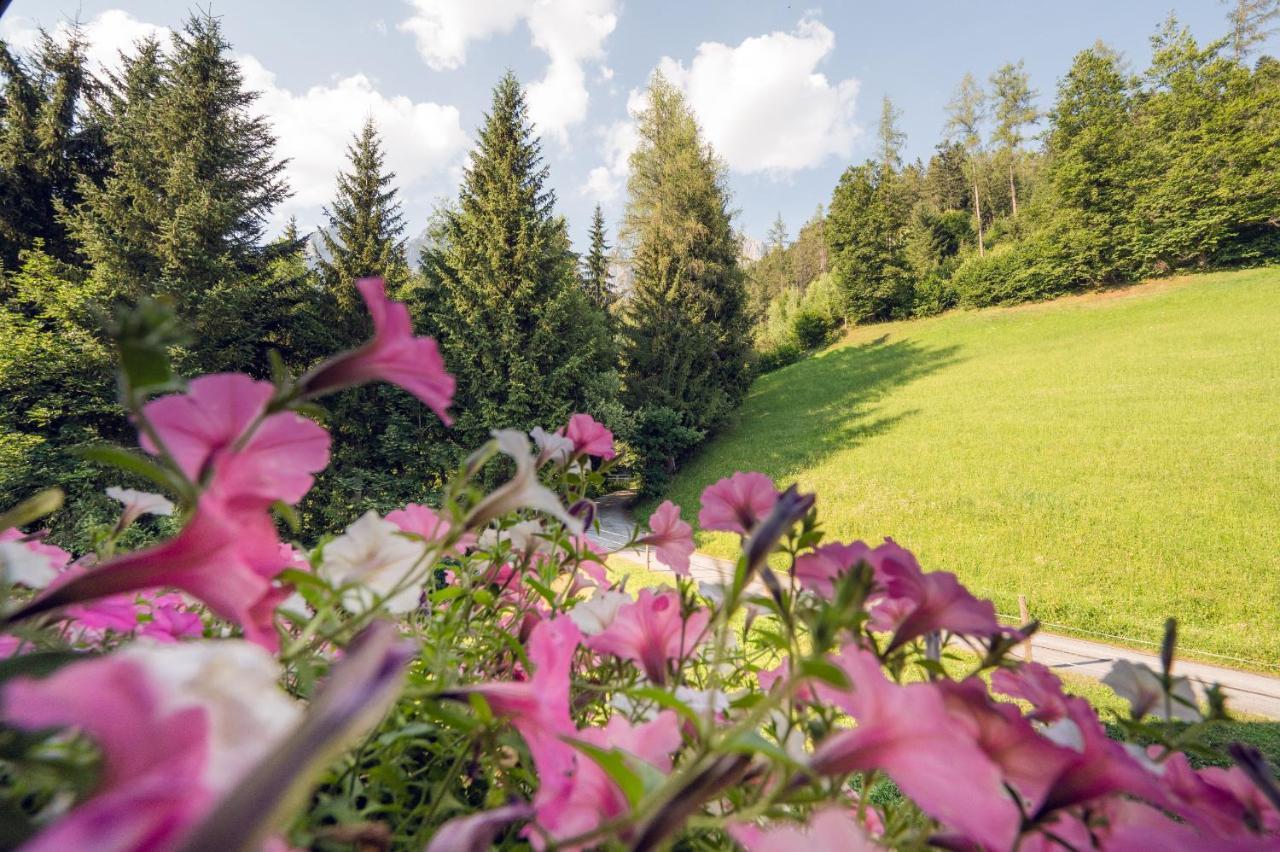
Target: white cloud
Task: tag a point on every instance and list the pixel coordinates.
(605, 183)
(569, 32)
(764, 106)
(421, 140)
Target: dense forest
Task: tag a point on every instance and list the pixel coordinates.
(154, 183)
(1128, 175)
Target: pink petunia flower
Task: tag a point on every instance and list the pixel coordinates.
(670, 537)
(394, 355)
(426, 522)
(26, 560)
(1036, 684)
(651, 632)
(224, 557)
(817, 571)
(173, 730)
(831, 829)
(938, 600)
(574, 802)
(205, 428)
(907, 733)
(737, 503)
(589, 437)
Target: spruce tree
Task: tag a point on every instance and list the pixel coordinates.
(866, 233)
(193, 173)
(595, 266)
(501, 293)
(890, 136)
(1252, 22)
(685, 339)
(364, 235)
(48, 142)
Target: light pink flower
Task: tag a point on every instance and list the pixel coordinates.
(737, 503)
(939, 601)
(539, 705)
(818, 571)
(589, 437)
(670, 537)
(394, 355)
(204, 428)
(1036, 684)
(426, 522)
(650, 632)
(906, 732)
(578, 800)
(223, 557)
(831, 829)
(768, 678)
(171, 620)
(177, 727)
(1097, 765)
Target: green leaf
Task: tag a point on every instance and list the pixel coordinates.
(288, 514)
(664, 699)
(38, 664)
(34, 508)
(824, 670)
(618, 766)
(545, 591)
(130, 462)
(145, 366)
(750, 742)
(447, 594)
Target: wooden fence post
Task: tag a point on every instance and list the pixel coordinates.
(1026, 619)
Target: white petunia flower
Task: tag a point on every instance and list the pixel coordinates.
(137, 503)
(595, 614)
(1143, 689)
(23, 566)
(551, 446)
(372, 553)
(237, 683)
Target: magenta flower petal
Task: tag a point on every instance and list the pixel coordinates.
(818, 570)
(737, 503)
(394, 355)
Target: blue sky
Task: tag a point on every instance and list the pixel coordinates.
(789, 94)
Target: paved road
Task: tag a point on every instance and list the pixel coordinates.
(1247, 692)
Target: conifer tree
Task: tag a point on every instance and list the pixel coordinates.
(364, 236)
(501, 293)
(1014, 110)
(47, 143)
(193, 173)
(595, 266)
(1252, 22)
(866, 232)
(685, 339)
(965, 114)
(777, 234)
(890, 136)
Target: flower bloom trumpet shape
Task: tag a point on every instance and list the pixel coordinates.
(220, 425)
(589, 437)
(522, 490)
(670, 537)
(225, 558)
(737, 503)
(178, 725)
(28, 561)
(651, 633)
(394, 355)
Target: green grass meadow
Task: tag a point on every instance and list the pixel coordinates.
(1114, 457)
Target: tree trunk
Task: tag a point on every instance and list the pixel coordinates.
(1013, 190)
(977, 209)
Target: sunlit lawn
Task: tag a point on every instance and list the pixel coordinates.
(1115, 458)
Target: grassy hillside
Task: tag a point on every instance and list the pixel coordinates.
(1115, 458)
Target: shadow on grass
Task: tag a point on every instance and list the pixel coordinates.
(797, 416)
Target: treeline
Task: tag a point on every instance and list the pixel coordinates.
(1136, 175)
(157, 182)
